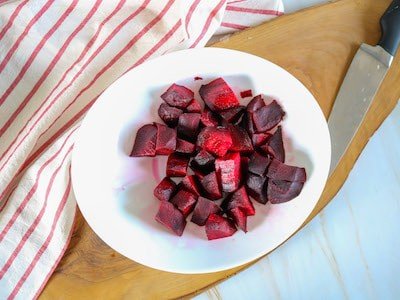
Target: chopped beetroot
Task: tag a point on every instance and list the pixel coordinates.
(188, 125)
(216, 140)
(170, 115)
(165, 189)
(279, 171)
(166, 140)
(259, 139)
(218, 96)
(246, 93)
(171, 217)
(212, 186)
(241, 200)
(177, 165)
(204, 208)
(267, 117)
(240, 140)
(239, 217)
(232, 115)
(185, 147)
(256, 187)
(184, 201)
(190, 183)
(229, 171)
(247, 122)
(203, 161)
(145, 141)
(244, 166)
(258, 164)
(194, 107)
(256, 103)
(274, 146)
(218, 227)
(198, 78)
(208, 118)
(178, 96)
(280, 191)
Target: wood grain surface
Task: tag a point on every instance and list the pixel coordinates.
(315, 45)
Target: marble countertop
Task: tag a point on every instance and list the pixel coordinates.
(351, 249)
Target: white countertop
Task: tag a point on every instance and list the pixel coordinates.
(351, 250)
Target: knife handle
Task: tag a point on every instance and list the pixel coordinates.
(390, 23)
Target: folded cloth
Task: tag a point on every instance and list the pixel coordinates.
(56, 58)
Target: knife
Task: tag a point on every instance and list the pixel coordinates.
(362, 81)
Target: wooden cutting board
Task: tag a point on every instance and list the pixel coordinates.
(315, 45)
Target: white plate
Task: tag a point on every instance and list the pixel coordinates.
(115, 192)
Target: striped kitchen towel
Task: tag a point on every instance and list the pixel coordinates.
(56, 58)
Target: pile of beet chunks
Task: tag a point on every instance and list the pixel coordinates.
(234, 152)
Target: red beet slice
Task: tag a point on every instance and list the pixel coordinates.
(165, 189)
(240, 199)
(279, 171)
(208, 118)
(218, 227)
(203, 161)
(204, 208)
(280, 191)
(185, 147)
(256, 187)
(170, 115)
(188, 125)
(166, 140)
(177, 165)
(178, 96)
(212, 186)
(274, 146)
(246, 93)
(145, 141)
(190, 183)
(231, 115)
(240, 140)
(216, 140)
(267, 117)
(229, 171)
(258, 164)
(259, 139)
(218, 95)
(247, 123)
(256, 103)
(194, 107)
(184, 201)
(239, 217)
(171, 217)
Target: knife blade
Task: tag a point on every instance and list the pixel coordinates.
(361, 83)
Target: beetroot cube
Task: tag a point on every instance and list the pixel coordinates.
(218, 227)
(218, 95)
(239, 217)
(256, 103)
(170, 115)
(203, 161)
(256, 187)
(280, 191)
(166, 140)
(208, 118)
(185, 147)
(259, 139)
(274, 146)
(216, 140)
(267, 117)
(212, 186)
(258, 164)
(190, 183)
(279, 171)
(188, 125)
(165, 189)
(247, 122)
(177, 165)
(231, 115)
(145, 141)
(240, 140)
(204, 208)
(194, 106)
(171, 218)
(184, 201)
(240, 199)
(178, 96)
(246, 93)
(229, 170)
